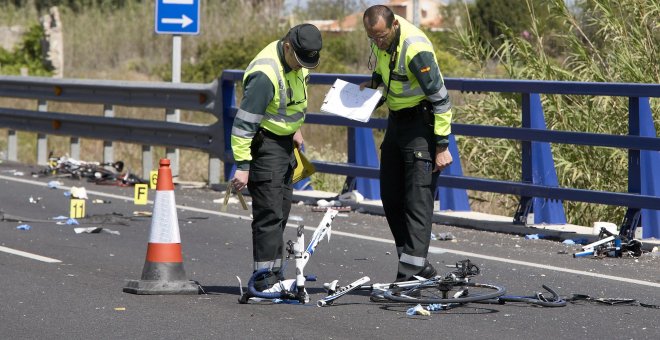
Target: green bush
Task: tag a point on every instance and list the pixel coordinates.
(213, 58)
(29, 54)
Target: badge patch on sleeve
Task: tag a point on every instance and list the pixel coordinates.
(425, 69)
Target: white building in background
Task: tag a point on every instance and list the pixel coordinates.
(429, 16)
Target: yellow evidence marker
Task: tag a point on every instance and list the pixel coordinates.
(141, 194)
(77, 209)
(153, 179)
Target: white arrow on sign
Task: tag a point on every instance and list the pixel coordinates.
(183, 21)
(178, 2)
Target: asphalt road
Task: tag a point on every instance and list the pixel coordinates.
(81, 295)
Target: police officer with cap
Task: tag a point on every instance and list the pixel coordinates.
(265, 131)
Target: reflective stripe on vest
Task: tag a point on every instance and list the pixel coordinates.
(280, 118)
(280, 82)
(404, 90)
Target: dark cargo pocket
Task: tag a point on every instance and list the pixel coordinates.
(260, 176)
(422, 167)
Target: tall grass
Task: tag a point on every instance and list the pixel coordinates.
(613, 41)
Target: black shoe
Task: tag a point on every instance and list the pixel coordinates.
(428, 272)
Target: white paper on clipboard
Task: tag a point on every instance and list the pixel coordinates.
(345, 99)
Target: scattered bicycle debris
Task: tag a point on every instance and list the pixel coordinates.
(78, 192)
(55, 184)
(418, 310)
(96, 172)
(609, 301)
(611, 245)
(443, 237)
(94, 230)
(340, 209)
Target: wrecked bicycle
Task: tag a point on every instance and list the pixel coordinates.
(454, 289)
(291, 289)
(97, 172)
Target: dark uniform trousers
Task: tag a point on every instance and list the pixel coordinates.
(269, 183)
(407, 185)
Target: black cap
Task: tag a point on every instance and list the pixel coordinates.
(306, 42)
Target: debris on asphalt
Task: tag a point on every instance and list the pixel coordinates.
(418, 310)
(78, 192)
(23, 227)
(100, 201)
(324, 209)
(55, 184)
(435, 307)
(94, 230)
(443, 237)
(295, 218)
(34, 200)
(142, 213)
(324, 203)
(609, 226)
(352, 197)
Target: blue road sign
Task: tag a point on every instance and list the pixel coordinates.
(177, 16)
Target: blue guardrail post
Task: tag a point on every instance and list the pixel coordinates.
(546, 210)
(452, 198)
(649, 164)
(228, 101)
(366, 154)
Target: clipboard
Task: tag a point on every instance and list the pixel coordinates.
(304, 168)
(346, 100)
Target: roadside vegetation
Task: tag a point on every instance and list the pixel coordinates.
(593, 40)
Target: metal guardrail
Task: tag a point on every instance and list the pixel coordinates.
(538, 189)
(168, 96)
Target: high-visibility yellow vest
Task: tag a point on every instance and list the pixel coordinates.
(286, 112)
(404, 90)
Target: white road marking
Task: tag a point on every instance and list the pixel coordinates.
(432, 250)
(29, 255)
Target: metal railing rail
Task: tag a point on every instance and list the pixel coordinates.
(168, 96)
(539, 193)
(642, 193)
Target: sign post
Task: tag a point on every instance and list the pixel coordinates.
(176, 17)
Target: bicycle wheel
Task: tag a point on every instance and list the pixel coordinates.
(445, 293)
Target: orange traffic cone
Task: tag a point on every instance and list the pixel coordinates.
(163, 268)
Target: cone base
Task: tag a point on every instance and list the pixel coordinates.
(151, 287)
